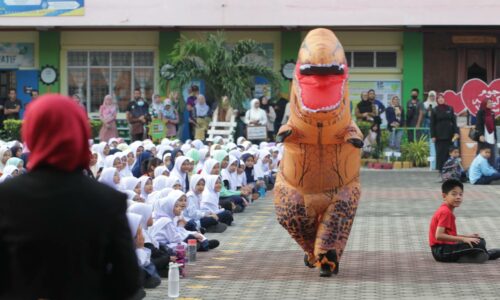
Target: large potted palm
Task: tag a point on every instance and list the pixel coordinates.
(225, 68)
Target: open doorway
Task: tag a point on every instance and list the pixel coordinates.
(476, 71)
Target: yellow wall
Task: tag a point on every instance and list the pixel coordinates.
(22, 37)
(107, 40)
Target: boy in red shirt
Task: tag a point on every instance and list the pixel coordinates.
(446, 245)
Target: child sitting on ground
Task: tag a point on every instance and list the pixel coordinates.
(480, 171)
(446, 244)
(452, 168)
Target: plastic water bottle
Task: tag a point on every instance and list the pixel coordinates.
(173, 280)
(191, 252)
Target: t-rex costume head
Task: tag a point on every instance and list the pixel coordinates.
(317, 189)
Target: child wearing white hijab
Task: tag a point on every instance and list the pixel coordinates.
(210, 199)
(150, 277)
(208, 220)
(180, 171)
(204, 154)
(146, 187)
(8, 173)
(165, 229)
(161, 170)
(110, 177)
(159, 257)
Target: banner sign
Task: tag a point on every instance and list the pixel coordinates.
(157, 129)
(473, 93)
(17, 55)
(41, 8)
(256, 133)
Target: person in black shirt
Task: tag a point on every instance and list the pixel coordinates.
(138, 116)
(444, 130)
(12, 106)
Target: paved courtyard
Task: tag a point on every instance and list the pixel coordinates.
(387, 256)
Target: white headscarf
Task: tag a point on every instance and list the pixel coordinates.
(165, 206)
(232, 178)
(429, 102)
(143, 181)
(210, 198)
(160, 170)
(134, 146)
(129, 183)
(134, 220)
(185, 148)
(145, 211)
(197, 144)
(160, 182)
(208, 167)
(154, 196)
(203, 156)
(106, 177)
(109, 161)
(177, 172)
(7, 173)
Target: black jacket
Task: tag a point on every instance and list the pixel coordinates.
(443, 123)
(64, 236)
(480, 124)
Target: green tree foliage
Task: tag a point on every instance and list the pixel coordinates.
(225, 68)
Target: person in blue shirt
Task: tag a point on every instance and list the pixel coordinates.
(480, 171)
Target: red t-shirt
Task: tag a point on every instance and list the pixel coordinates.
(443, 217)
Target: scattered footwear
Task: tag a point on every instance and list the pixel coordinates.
(212, 244)
(494, 254)
(476, 256)
(219, 228)
(306, 262)
(152, 282)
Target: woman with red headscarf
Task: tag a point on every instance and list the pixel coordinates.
(107, 114)
(485, 126)
(62, 234)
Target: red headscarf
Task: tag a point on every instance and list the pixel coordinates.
(489, 119)
(57, 132)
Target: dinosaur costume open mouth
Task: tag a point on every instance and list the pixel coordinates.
(321, 86)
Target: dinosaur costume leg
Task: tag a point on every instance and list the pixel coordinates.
(292, 214)
(336, 222)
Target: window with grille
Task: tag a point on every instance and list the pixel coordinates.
(95, 74)
(372, 59)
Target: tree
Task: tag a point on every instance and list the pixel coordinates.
(226, 69)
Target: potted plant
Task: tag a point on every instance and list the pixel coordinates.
(416, 152)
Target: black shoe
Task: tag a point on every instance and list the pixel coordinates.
(306, 262)
(494, 254)
(152, 282)
(140, 294)
(202, 230)
(329, 264)
(163, 273)
(476, 256)
(238, 209)
(212, 244)
(218, 228)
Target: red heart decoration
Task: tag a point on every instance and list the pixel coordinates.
(474, 91)
(454, 100)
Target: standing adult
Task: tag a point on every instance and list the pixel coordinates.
(12, 106)
(202, 111)
(429, 105)
(365, 109)
(444, 130)
(485, 126)
(157, 107)
(63, 235)
(107, 114)
(224, 111)
(271, 116)
(279, 109)
(79, 101)
(171, 118)
(380, 106)
(255, 116)
(395, 120)
(137, 116)
(414, 115)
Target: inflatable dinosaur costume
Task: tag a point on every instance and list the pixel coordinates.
(317, 189)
